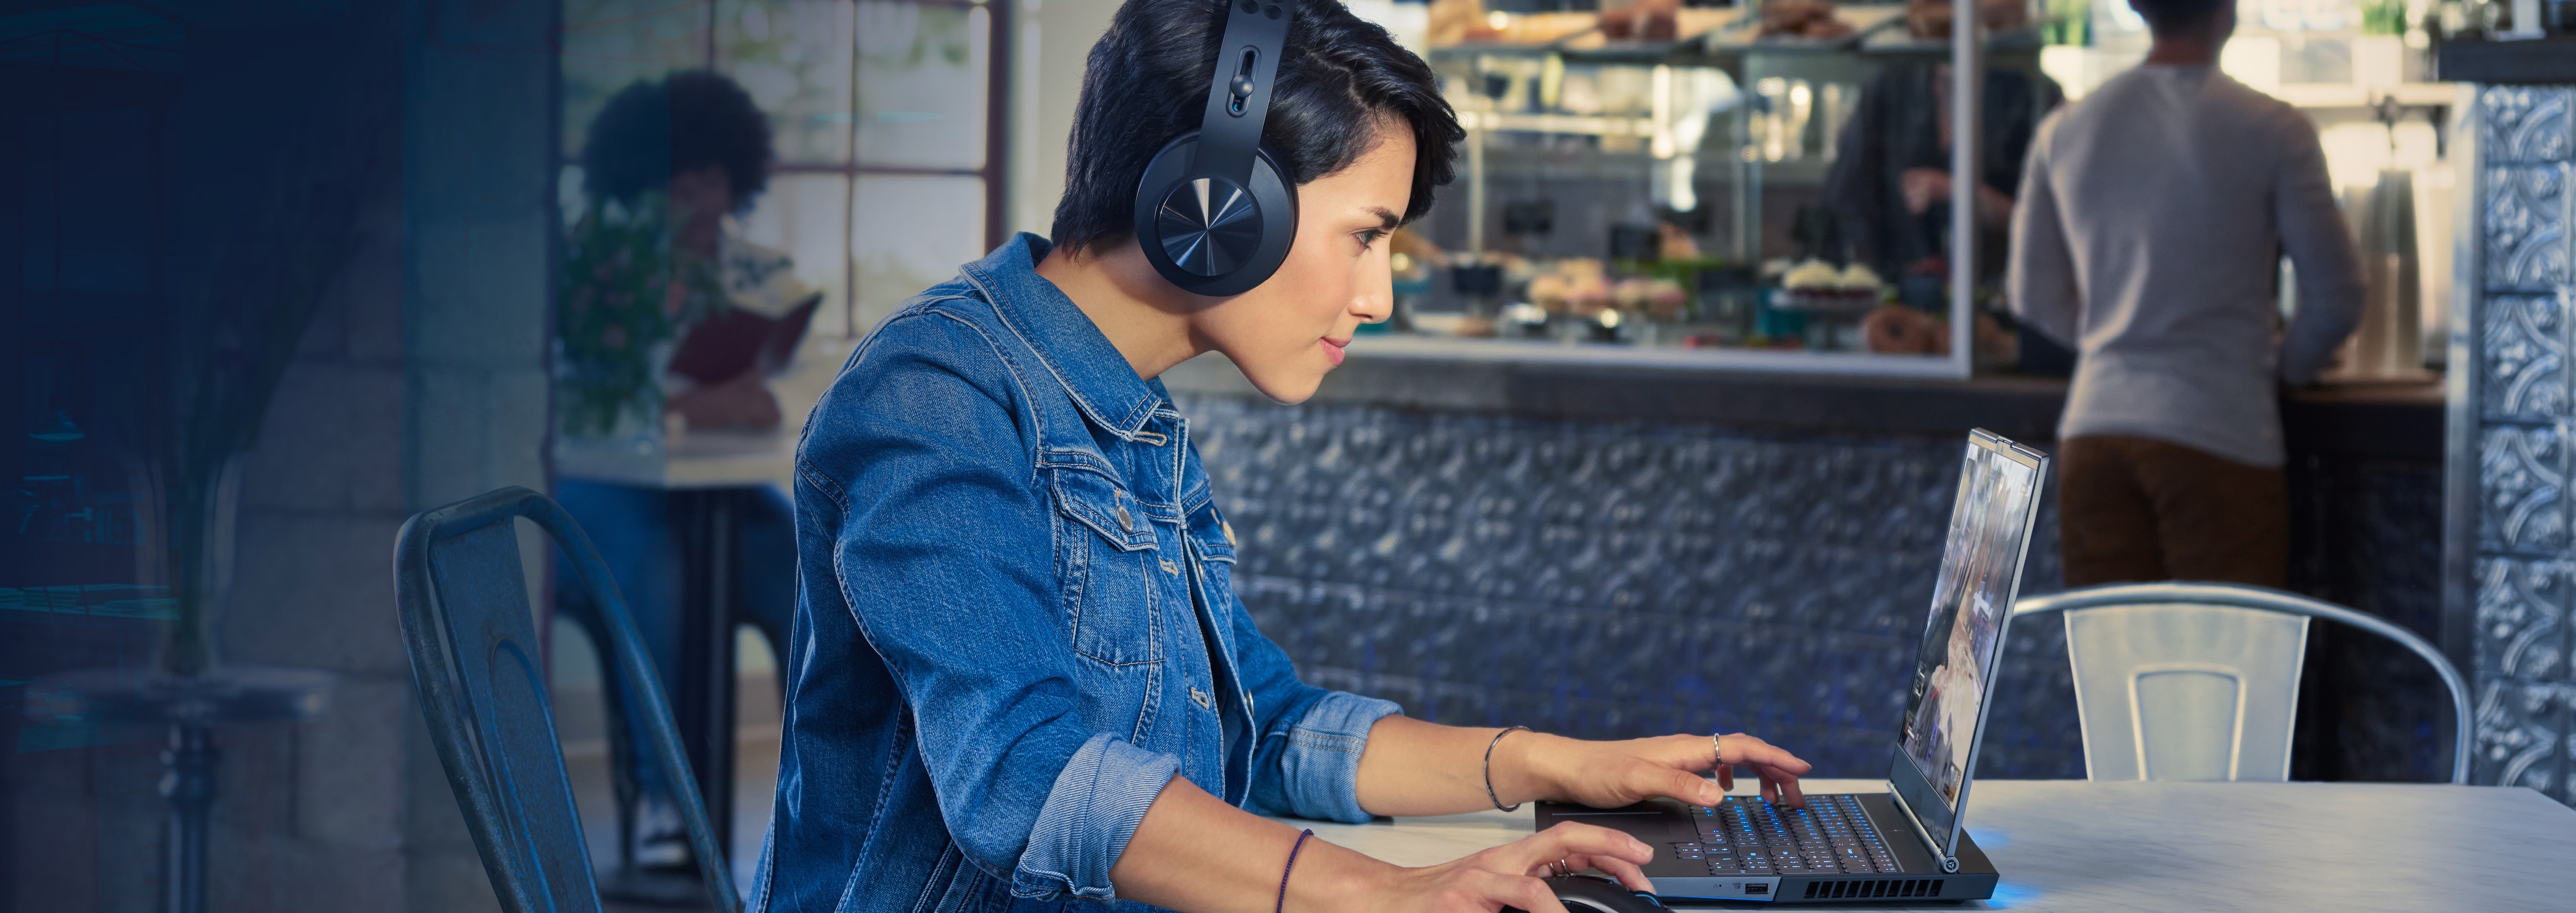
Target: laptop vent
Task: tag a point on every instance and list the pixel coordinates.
(1883, 887)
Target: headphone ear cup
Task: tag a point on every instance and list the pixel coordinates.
(1207, 235)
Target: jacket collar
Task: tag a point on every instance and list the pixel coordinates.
(1092, 371)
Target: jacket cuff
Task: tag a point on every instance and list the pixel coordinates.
(1319, 767)
(1089, 815)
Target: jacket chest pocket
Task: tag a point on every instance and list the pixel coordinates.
(1106, 555)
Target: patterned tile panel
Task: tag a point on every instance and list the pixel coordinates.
(2523, 351)
(1619, 580)
(2521, 473)
(1615, 580)
(2522, 725)
(2358, 533)
(2525, 223)
(2526, 124)
(2522, 607)
(2522, 575)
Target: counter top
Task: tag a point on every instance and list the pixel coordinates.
(2370, 420)
(2536, 61)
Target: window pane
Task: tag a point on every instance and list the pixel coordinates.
(611, 43)
(921, 84)
(793, 56)
(909, 233)
(805, 216)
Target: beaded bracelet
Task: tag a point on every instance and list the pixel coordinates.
(1282, 905)
(1489, 769)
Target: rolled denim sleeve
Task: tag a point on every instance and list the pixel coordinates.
(1088, 818)
(1307, 764)
(1317, 762)
(915, 452)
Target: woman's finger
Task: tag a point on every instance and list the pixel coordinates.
(1686, 786)
(1787, 785)
(1629, 873)
(1752, 752)
(1520, 892)
(1568, 839)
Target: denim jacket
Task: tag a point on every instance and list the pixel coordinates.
(1015, 622)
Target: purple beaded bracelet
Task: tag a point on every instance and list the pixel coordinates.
(1282, 905)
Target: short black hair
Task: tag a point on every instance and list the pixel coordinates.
(2168, 16)
(1147, 82)
(688, 120)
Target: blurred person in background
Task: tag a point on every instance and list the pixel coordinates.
(1890, 179)
(2147, 235)
(667, 164)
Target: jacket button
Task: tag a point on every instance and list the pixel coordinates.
(1125, 522)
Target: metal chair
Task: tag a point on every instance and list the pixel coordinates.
(2200, 681)
(474, 658)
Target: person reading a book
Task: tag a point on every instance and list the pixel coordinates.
(668, 318)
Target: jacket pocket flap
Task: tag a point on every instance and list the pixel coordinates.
(1092, 500)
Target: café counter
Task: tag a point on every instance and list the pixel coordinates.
(1602, 547)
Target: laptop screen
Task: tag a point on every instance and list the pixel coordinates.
(1972, 599)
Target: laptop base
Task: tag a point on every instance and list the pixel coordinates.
(1918, 877)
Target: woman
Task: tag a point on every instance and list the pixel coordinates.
(665, 164)
(1020, 674)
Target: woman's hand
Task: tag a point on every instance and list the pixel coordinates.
(1510, 875)
(1612, 774)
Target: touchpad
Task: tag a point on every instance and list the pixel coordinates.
(1656, 822)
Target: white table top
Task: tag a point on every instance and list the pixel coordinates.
(716, 459)
(2074, 845)
(696, 459)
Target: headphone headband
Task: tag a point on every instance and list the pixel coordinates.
(1247, 62)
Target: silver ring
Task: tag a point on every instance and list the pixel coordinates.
(1717, 746)
(1561, 869)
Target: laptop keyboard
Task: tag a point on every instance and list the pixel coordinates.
(1750, 836)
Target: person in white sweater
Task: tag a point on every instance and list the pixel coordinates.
(2146, 237)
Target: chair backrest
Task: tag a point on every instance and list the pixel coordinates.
(2198, 681)
(474, 654)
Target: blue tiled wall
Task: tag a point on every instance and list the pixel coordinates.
(1617, 580)
(2526, 703)
(1612, 580)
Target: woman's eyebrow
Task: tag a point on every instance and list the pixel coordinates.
(1386, 218)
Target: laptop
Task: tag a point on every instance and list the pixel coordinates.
(1905, 843)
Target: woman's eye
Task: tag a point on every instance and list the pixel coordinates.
(1370, 237)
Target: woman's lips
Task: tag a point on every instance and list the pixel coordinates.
(1333, 351)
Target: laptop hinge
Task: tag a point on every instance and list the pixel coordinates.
(1949, 863)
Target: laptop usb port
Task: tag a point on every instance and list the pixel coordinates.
(1757, 889)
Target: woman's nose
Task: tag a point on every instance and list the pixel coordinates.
(1375, 306)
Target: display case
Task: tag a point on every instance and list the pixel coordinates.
(1651, 185)
(1767, 187)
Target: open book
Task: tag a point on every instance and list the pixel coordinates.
(766, 318)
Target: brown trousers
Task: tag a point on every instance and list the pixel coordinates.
(2137, 510)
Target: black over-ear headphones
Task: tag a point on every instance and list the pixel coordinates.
(1214, 211)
